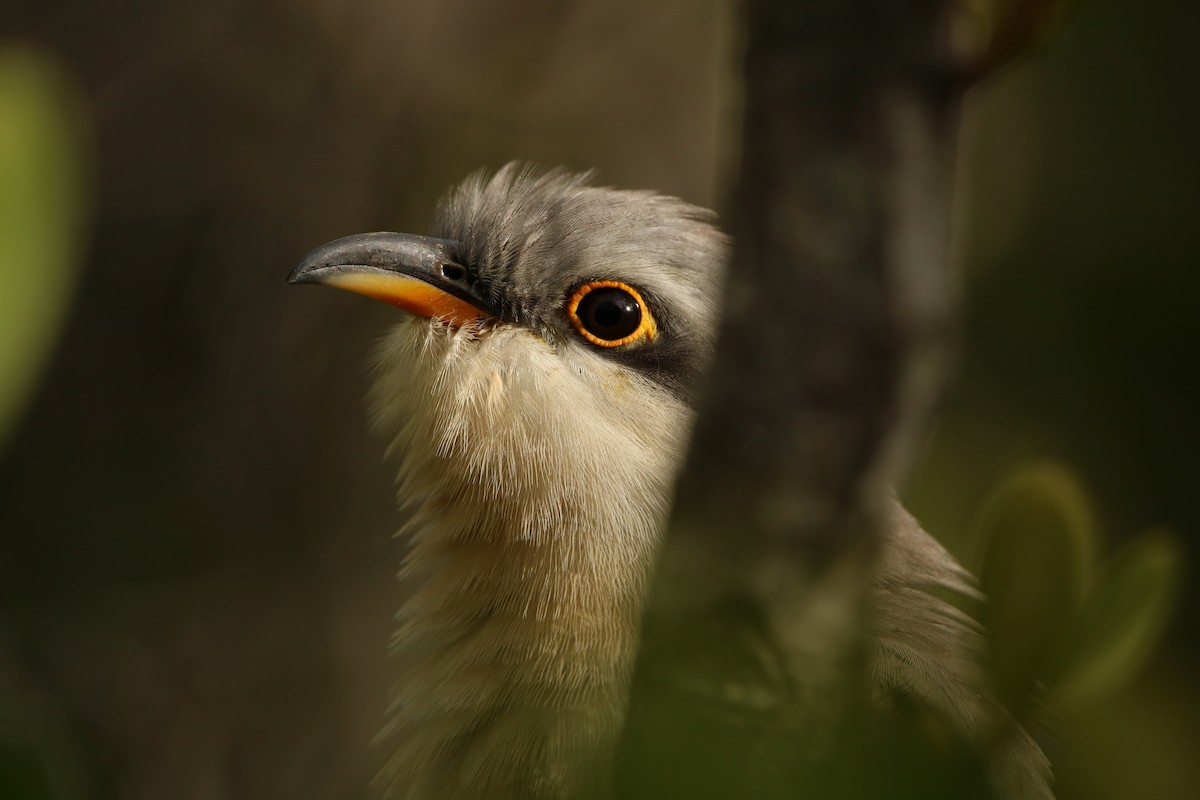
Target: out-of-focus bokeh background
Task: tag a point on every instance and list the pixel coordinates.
(196, 529)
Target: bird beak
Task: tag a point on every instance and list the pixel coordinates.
(415, 273)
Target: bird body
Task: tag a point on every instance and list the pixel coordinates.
(539, 400)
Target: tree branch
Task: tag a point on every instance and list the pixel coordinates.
(831, 354)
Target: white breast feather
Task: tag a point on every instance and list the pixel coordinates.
(536, 505)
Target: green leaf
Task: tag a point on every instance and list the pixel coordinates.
(41, 202)
(1040, 553)
(1122, 622)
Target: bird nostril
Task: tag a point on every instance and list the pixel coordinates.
(453, 272)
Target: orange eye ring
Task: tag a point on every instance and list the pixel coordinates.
(646, 327)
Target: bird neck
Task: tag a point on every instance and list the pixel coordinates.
(531, 543)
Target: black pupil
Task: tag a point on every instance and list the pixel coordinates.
(609, 314)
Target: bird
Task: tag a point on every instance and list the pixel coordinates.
(537, 396)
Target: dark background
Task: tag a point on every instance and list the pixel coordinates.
(196, 552)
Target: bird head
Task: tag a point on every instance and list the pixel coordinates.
(554, 336)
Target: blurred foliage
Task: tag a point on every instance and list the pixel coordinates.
(1121, 625)
(42, 202)
(1059, 631)
(1071, 629)
(42, 191)
(1040, 540)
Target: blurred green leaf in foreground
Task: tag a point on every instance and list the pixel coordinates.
(1054, 617)
(42, 198)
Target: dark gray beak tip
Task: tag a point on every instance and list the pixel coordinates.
(316, 264)
(301, 274)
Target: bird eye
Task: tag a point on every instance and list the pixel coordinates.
(610, 314)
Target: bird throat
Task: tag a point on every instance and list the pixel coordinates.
(537, 494)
